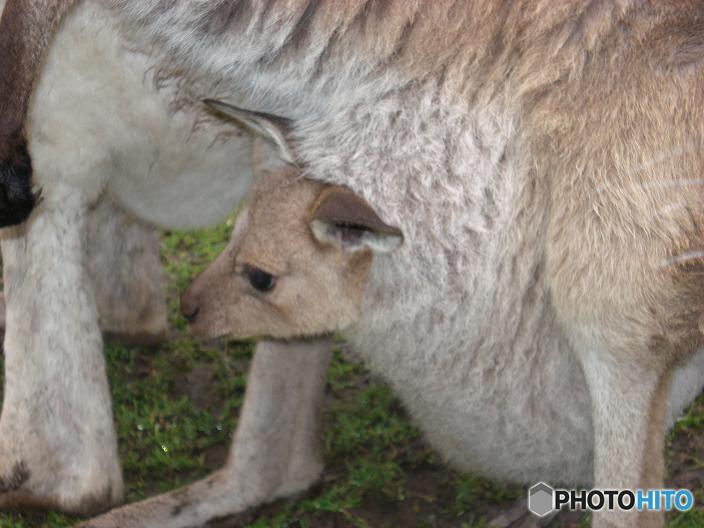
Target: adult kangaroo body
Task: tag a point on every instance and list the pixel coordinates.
(104, 140)
(543, 164)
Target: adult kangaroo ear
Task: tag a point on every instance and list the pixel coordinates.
(343, 219)
(272, 127)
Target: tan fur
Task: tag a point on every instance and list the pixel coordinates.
(622, 148)
(318, 278)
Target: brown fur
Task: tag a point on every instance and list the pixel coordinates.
(23, 501)
(15, 479)
(276, 235)
(618, 134)
(25, 30)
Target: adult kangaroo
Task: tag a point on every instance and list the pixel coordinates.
(543, 163)
(111, 139)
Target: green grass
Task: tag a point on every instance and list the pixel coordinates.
(176, 409)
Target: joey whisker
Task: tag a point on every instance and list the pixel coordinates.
(682, 258)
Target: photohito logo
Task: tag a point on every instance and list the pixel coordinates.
(544, 499)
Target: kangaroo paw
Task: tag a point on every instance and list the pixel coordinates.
(20, 490)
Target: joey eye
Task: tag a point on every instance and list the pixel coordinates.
(259, 279)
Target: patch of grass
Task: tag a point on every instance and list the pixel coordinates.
(471, 493)
(163, 432)
(691, 422)
(176, 409)
(690, 519)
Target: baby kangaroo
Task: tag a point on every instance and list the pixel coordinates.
(296, 265)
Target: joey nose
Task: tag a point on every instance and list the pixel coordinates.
(190, 306)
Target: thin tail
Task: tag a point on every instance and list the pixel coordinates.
(26, 28)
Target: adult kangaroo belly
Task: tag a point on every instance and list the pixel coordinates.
(503, 396)
(508, 402)
(103, 118)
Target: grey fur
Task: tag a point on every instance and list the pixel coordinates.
(516, 149)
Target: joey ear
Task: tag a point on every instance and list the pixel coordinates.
(272, 127)
(341, 218)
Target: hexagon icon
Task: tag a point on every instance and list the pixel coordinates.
(540, 499)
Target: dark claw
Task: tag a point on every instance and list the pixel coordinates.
(16, 198)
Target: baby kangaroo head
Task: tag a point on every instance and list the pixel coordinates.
(296, 264)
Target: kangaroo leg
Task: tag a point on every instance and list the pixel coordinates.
(275, 452)
(125, 269)
(126, 274)
(631, 329)
(629, 354)
(58, 447)
(629, 404)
